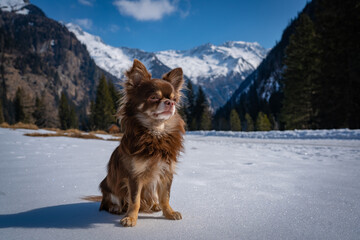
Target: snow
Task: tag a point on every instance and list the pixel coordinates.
(218, 69)
(14, 6)
(112, 59)
(205, 61)
(297, 185)
(209, 61)
(296, 134)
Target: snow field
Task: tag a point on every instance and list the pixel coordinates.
(226, 188)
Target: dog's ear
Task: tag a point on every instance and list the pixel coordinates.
(175, 77)
(137, 73)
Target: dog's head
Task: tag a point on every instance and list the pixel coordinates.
(151, 98)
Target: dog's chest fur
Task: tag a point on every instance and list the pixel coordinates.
(152, 170)
(156, 156)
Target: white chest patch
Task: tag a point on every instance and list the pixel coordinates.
(114, 199)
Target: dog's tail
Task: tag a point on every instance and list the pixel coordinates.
(92, 198)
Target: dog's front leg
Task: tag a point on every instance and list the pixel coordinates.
(135, 187)
(164, 195)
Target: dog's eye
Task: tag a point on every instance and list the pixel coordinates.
(153, 98)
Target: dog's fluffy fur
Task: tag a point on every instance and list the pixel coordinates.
(141, 168)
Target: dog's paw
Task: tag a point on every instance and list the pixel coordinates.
(173, 216)
(128, 222)
(114, 210)
(156, 208)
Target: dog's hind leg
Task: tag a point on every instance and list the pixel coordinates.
(109, 201)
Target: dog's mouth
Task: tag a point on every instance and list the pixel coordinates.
(163, 113)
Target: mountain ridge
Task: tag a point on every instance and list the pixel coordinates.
(219, 70)
(42, 58)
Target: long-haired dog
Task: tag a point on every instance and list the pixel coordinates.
(141, 168)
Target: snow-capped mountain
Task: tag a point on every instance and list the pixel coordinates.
(219, 70)
(116, 60)
(209, 61)
(17, 6)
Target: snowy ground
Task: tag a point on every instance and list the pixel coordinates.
(227, 187)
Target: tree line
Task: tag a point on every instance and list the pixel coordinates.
(322, 74)
(317, 67)
(195, 109)
(318, 60)
(102, 109)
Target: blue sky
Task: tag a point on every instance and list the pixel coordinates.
(154, 25)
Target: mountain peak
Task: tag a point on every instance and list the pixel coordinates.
(218, 69)
(78, 31)
(17, 6)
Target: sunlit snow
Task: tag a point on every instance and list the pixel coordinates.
(267, 185)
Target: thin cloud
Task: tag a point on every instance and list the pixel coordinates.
(184, 7)
(145, 10)
(86, 2)
(84, 23)
(114, 28)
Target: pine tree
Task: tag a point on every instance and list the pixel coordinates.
(2, 119)
(262, 122)
(104, 114)
(223, 124)
(40, 113)
(19, 107)
(73, 118)
(338, 25)
(115, 95)
(205, 121)
(235, 123)
(182, 112)
(301, 76)
(92, 116)
(249, 123)
(190, 105)
(67, 114)
(64, 112)
(252, 101)
(199, 108)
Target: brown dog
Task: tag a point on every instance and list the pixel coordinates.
(140, 170)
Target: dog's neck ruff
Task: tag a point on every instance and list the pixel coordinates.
(155, 127)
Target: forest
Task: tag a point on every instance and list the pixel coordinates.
(315, 65)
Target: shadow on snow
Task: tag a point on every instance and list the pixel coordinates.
(77, 215)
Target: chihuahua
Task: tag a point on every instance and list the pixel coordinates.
(140, 170)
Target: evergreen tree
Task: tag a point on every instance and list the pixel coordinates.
(67, 114)
(262, 122)
(205, 121)
(223, 124)
(19, 107)
(40, 112)
(115, 95)
(92, 116)
(73, 118)
(2, 119)
(104, 114)
(249, 123)
(182, 112)
(199, 108)
(235, 123)
(301, 76)
(190, 105)
(64, 112)
(338, 25)
(252, 101)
